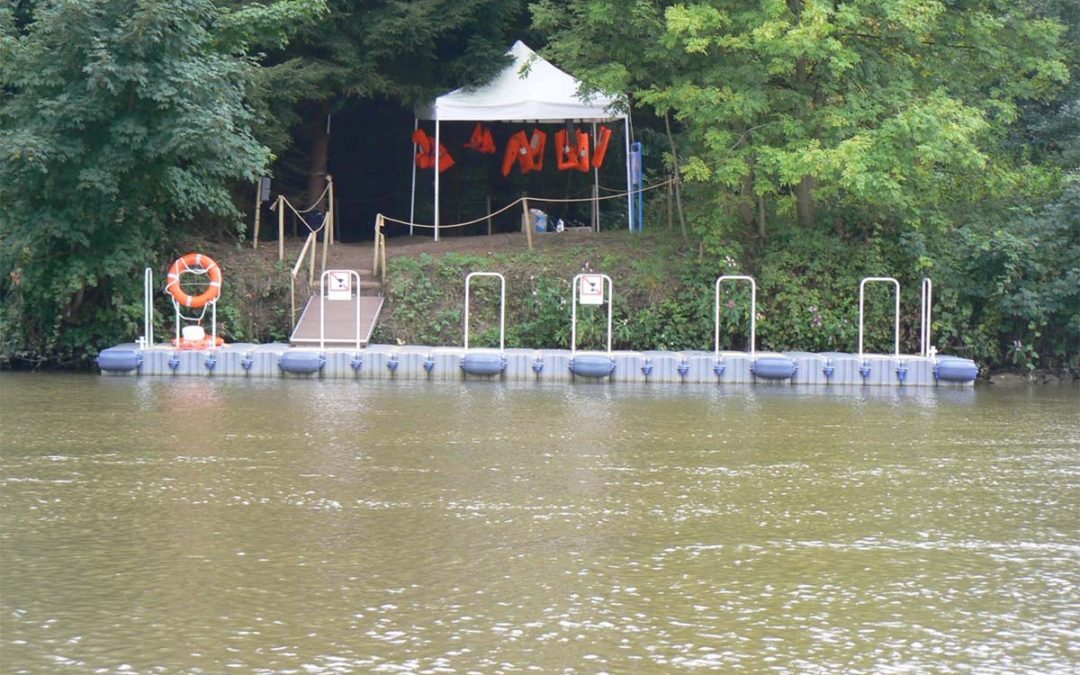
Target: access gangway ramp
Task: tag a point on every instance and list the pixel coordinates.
(340, 328)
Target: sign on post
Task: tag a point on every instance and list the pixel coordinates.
(264, 189)
(591, 290)
(339, 285)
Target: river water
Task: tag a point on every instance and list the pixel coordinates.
(209, 526)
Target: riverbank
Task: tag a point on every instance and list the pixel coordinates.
(664, 297)
(663, 288)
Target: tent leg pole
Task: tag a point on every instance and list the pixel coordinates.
(629, 194)
(595, 190)
(438, 158)
(412, 199)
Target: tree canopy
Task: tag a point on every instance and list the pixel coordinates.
(921, 136)
(121, 120)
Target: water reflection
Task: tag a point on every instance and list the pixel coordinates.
(201, 525)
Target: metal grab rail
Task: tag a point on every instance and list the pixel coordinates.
(502, 305)
(353, 276)
(896, 315)
(148, 308)
(753, 310)
(610, 295)
(924, 317)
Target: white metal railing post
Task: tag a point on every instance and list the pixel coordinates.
(610, 297)
(353, 276)
(148, 308)
(753, 310)
(925, 316)
(896, 312)
(502, 305)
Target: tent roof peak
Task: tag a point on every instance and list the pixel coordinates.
(530, 88)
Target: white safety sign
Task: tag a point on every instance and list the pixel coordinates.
(591, 289)
(339, 285)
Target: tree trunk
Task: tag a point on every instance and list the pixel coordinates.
(804, 201)
(761, 217)
(319, 158)
(745, 203)
(678, 177)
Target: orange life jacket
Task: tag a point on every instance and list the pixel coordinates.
(602, 140)
(565, 154)
(527, 152)
(572, 156)
(425, 156)
(583, 151)
(534, 159)
(481, 140)
(425, 149)
(515, 148)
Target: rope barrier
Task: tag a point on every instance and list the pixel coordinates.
(299, 214)
(519, 200)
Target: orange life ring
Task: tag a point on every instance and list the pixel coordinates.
(186, 263)
(205, 343)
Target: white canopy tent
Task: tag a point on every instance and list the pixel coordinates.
(529, 89)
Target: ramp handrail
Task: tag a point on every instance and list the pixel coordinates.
(610, 295)
(896, 315)
(378, 265)
(502, 305)
(924, 317)
(148, 308)
(753, 309)
(296, 271)
(354, 276)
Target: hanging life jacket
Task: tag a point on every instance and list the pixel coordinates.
(583, 151)
(425, 155)
(534, 159)
(481, 140)
(527, 152)
(565, 154)
(516, 147)
(602, 140)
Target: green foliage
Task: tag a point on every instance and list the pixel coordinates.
(121, 120)
(888, 110)
(1014, 283)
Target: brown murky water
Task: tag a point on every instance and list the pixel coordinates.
(198, 525)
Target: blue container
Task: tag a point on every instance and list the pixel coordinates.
(541, 222)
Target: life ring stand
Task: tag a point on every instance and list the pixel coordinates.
(199, 263)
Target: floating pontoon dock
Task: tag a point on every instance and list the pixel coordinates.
(336, 348)
(391, 362)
